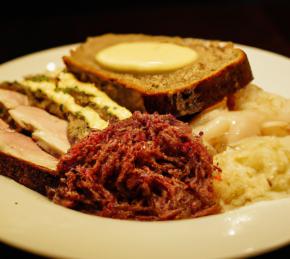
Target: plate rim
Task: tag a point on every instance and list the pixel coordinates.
(69, 46)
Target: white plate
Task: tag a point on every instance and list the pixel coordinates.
(30, 221)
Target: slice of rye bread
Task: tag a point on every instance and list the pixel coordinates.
(220, 70)
(31, 175)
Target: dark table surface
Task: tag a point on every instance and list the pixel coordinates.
(263, 24)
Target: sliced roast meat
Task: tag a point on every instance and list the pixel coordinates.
(20, 146)
(24, 161)
(10, 99)
(48, 131)
(3, 125)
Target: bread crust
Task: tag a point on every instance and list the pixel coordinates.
(204, 93)
(187, 100)
(33, 176)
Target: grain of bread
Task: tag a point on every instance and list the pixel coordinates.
(220, 70)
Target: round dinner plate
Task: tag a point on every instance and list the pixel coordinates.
(32, 222)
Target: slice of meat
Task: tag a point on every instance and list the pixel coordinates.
(10, 99)
(48, 131)
(3, 125)
(24, 161)
(23, 147)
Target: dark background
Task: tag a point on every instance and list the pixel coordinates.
(263, 24)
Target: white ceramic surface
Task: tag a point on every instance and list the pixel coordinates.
(30, 221)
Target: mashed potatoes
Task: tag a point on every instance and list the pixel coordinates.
(251, 144)
(272, 106)
(254, 169)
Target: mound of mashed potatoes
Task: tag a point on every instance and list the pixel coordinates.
(249, 136)
(253, 169)
(271, 106)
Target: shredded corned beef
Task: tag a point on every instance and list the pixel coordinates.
(147, 167)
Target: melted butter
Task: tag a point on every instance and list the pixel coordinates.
(145, 57)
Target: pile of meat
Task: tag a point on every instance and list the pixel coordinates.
(147, 167)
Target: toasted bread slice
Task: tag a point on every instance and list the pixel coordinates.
(219, 70)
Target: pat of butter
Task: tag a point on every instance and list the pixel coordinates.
(145, 57)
